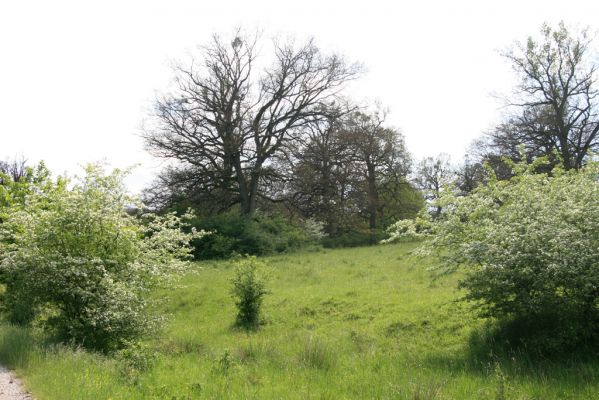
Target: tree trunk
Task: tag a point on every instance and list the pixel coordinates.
(252, 200)
(244, 193)
(373, 202)
(565, 152)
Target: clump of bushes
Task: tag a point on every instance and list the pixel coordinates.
(248, 290)
(355, 238)
(530, 249)
(259, 234)
(74, 259)
(406, 230)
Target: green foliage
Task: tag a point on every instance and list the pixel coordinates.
(406, 230)
(401, 201)
(356, 238)
(530, 247)
(75, 259)
(317, 353)
(13, 194)
(260, 234)
(135, 359)
(248, 290)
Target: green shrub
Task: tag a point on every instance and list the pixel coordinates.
(260, 234)
(353, 239)
(77, 261)
(530, 247)
(248, 291)
(315, 230)
(13, 194)
(135, 359)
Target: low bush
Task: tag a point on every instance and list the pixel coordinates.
(135, 359)
(353, 239)
(260, 234)
(406, 230)
(248, 290)
(76, 261)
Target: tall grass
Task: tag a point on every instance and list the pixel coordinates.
(363, 323)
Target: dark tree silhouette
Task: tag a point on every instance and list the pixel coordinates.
(227, 121)
(381, 158)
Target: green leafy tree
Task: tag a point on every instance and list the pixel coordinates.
(555, 109)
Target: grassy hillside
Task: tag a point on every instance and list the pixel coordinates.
(365, 323)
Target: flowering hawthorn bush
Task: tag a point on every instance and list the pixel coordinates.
(78, 262)
(406, 230)
(530, 250)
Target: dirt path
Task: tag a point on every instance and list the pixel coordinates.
(11, 388)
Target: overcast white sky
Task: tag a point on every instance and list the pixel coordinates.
(77, 78)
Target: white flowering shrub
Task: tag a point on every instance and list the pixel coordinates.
(75, 258)
(530, 249)
(13, 193)
(407, 230)
(314, 229)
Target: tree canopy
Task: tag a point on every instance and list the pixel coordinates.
(228, 119)
(555, 109)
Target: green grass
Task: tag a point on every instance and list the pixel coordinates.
(363, 323)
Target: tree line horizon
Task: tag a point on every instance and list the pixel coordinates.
(283, 137)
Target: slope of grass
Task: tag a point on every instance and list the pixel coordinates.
(364, 323)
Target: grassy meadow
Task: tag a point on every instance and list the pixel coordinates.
(363, 323)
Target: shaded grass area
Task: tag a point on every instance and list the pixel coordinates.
(363, 323)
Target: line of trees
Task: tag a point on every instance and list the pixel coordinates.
(282, 136)
(255, 126)
(553, 113)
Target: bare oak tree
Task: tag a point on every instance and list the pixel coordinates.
(323, 179)
(226, 120)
